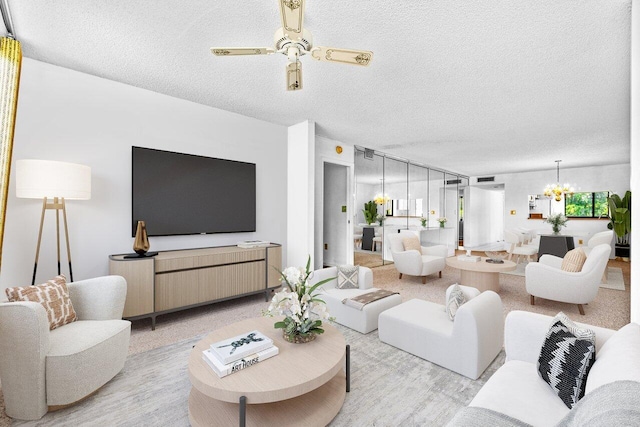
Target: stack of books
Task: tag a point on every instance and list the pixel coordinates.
(235, 354)
(248, 244)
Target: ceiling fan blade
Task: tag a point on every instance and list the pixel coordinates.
(235, 51)
(294, 75)
(292, 16)
(346, 56)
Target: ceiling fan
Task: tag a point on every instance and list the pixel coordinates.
(294, 41)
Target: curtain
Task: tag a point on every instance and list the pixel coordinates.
(10, 64)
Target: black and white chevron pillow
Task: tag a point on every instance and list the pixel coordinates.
(566, 357)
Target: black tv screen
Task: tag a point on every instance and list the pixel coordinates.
(176, 193)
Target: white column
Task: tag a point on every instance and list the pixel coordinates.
(300, 194)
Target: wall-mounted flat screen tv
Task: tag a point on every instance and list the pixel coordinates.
(177, 193)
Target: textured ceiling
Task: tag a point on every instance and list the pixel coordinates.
(477, 88)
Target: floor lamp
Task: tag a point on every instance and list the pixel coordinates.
(53, 182)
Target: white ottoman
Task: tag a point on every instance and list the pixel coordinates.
(466, 345)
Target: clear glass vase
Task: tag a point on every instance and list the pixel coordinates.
(298, 339)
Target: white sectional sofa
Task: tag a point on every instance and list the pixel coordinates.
(516, 395)
(363, 321)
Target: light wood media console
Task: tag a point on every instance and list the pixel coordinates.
(181, 279)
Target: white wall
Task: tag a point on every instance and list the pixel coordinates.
(300, 194)
(635, 159)
(69, 116)
(518, 186)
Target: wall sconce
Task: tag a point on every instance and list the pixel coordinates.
(512, 212)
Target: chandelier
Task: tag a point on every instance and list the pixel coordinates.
(380, 199)
(557, 190)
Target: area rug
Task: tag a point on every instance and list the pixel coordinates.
(614, 277)
(388, 388)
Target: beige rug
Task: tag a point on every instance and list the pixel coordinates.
(614, 277)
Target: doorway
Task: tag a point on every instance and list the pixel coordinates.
(335, 219)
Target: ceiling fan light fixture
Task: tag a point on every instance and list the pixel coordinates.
(294, 41)
(294, 76)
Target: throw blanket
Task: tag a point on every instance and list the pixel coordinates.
(613, 404)
(361, 300)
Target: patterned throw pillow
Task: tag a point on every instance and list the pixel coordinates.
(566, 357)
(54, 297)
(574, 260)
(411, 243)
(348, 277)
(455, 300)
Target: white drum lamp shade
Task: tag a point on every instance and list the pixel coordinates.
(37, 179)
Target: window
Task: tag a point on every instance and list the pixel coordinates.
(587, 205)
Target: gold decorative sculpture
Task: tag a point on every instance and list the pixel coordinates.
(141, 242)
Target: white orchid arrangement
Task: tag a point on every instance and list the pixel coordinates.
(423, 221)
(299, 303)
(442, 220)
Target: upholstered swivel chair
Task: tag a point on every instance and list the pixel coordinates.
(42, 368)
(546, 279)
(429, 260)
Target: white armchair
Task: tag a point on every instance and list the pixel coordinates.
(414, 263)
(363, 321)
(466, 345)
(603, 237)
(40, 369)
(545, 279)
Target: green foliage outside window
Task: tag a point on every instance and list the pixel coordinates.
(587, 205)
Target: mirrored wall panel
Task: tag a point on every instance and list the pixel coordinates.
(394, 194)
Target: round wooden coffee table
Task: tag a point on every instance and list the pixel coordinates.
(305, 384)
(481, 275)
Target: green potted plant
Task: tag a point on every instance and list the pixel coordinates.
(620, 222)
(370, 212)
(557, 221)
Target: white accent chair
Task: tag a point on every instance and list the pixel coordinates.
(40, 368)
(376, 240)
(517, 248)
(357, 237)
(603, 237)
(363, 321)
(414, 263)
(466, 345)
(545, 279)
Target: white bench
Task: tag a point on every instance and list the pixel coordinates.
(363, 321)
